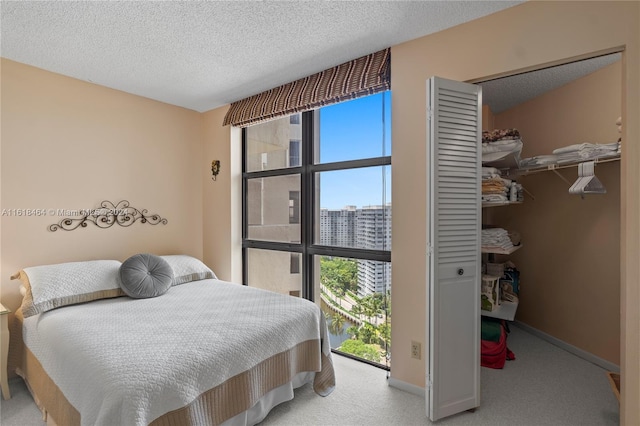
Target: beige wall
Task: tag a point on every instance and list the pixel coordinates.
(570, 261)
(69, 144)
(222, 221)
(522, 37)
(1, 203)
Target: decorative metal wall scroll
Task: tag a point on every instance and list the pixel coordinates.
(107, 215)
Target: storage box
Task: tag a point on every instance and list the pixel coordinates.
(489, 293)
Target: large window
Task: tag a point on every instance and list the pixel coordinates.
(317, 216)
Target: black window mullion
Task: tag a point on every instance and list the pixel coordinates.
(271, 173)
(245, 224)
(351, 164)
(272, 245)
(307, 207)
(356, 253)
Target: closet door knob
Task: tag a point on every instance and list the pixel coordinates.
(460, 271)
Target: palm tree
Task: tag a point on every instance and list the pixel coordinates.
(341, 293)
(384, 331)
(369, 308)
(336, 326)
(357, 310)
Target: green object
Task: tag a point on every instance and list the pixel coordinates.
(485, 303)
(490, 329)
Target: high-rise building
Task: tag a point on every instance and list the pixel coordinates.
(273, 204)
(373, 231)
(368, 227)
(337, 227)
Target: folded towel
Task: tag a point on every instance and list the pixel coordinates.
(586, 148)
(495, 238)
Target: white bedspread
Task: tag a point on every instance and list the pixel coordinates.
(129, 361)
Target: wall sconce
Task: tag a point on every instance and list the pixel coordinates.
(215, 168)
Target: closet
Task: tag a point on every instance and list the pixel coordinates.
(569, 260)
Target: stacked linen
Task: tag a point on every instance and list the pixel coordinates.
(496, 238)
(500, 143)
(573, 153)
(495, 189)
(587, 151)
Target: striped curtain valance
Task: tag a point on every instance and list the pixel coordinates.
(360, 77)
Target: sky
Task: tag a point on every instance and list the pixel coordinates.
(355, 130)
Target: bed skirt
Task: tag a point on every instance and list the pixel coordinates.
(56, 410)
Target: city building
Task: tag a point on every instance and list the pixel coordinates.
(337, 227)
(368, 227)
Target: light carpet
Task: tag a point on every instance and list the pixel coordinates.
(545, 385)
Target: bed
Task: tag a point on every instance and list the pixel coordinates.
(204, 352)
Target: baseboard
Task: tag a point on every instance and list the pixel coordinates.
(407, 387)
(607, 365)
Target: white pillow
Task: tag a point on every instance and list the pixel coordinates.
(51, 286)
(187, 268)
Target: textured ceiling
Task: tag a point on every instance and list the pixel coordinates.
(201, 55)
(504, 93)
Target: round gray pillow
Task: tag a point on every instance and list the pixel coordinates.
(145, 275)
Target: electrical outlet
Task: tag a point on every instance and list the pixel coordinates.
(416, 350)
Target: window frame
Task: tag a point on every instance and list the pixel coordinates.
(308, 170)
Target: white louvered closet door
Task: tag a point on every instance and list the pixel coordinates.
(454, 126)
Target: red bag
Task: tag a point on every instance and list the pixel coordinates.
(495, 354)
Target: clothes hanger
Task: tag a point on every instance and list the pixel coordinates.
(587, 182)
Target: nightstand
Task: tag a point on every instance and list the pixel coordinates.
(4, 350)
